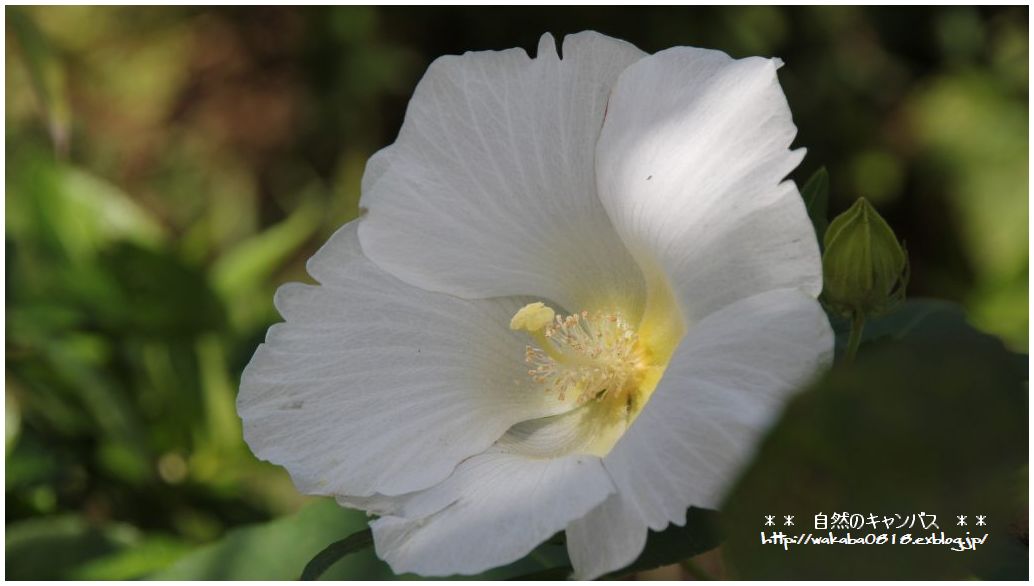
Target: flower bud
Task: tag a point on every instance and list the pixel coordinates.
(865, 268)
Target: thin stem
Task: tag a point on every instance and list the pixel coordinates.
(857, 325)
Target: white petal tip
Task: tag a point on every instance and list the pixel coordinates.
(547, 46)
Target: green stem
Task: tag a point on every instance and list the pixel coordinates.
(857, 325)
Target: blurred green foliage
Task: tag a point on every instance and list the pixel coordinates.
(896, 433)
(168, 168)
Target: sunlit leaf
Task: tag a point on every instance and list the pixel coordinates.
(276, 551)
(149, 555)
(219, 395)
(972, 135)
(246, 265)
(71, 211)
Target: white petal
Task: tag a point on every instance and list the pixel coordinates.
(575, 431)
(375, 386)
(690, 160)
(502, 506)
(725, 385)
(376, 166)
(607, 539)
(412, 505)
(490, 188)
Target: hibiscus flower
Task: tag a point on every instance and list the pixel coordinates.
(579, 291)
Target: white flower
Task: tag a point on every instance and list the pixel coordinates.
(580, 291)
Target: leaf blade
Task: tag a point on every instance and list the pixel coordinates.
(816, 200)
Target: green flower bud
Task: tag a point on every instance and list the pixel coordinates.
(865, 269)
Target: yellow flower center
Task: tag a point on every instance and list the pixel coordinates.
(601, 364)
(589, 357)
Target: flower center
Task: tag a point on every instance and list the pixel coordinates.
(601, 366)
(584, 357)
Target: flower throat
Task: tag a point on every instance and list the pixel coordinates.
(584, 357)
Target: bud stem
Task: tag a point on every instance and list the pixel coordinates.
(857, 325)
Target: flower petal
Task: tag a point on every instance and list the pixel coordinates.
(689, 165)
(723, 388)
(490, 188)
(375, 386)
(575, 431)
(502, 506)
(609, 538)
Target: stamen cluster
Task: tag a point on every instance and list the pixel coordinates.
(595, 356)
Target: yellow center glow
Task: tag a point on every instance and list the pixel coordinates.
(599, 362)
(591, 357)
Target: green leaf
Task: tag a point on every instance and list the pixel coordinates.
(46, 75)
(156, 294)
(242, 275)
(931, 418)
(335, 551)
(69, 212)
(91, 391)
(278, 550)
(219, 395)
(919, 317)
(51, 548)
(69, 547)
(12, 419)
(249, 263)
(150, 555)
(816, 199)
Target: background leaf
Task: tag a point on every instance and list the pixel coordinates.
(816, 200)
(277, 550)
(46, 74)
(930, 418)
(58, 548)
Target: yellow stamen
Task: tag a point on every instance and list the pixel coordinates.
(603, 366)
(532, 317)
(591, 357)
